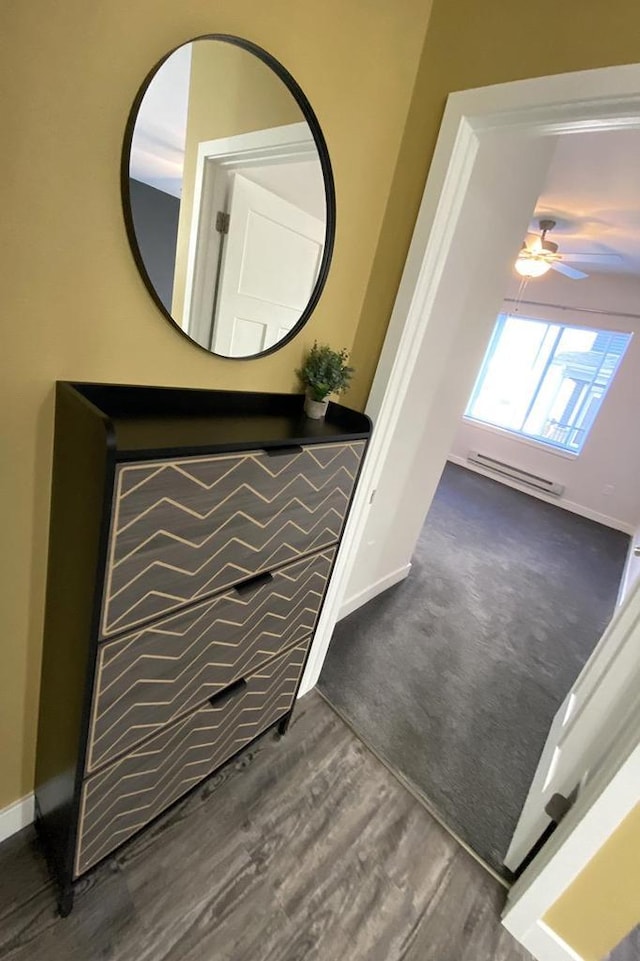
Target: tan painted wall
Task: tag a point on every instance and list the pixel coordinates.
(603, 903)
(73, 305)
(254, 98)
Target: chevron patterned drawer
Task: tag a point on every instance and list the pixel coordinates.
(184, 529)
(147, 679)
(119, 801)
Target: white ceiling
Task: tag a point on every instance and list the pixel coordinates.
(593, 192)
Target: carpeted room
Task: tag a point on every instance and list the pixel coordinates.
(454, 675)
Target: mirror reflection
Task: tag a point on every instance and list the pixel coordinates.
(227, 198)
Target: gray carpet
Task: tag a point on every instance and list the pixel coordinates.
(454, 675)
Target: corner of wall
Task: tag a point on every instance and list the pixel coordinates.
(601, 906)
(396, 229)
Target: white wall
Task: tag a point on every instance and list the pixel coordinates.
(603, 482)
(456, 310)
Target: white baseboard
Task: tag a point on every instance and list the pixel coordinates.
(310, 677)
(567, 505)
(353, 603)
(17, 816)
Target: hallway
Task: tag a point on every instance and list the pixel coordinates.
(303, 848)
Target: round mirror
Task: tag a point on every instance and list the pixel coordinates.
(228, 196)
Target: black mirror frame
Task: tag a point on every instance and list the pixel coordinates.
(327, 174)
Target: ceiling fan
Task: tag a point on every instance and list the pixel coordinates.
(542, 255)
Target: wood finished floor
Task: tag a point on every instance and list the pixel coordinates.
(304, 848)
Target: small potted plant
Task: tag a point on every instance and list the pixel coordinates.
(324, 371)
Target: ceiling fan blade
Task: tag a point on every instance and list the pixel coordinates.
(569, 271)
(592, 258)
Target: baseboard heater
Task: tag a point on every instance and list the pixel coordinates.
(515, 474)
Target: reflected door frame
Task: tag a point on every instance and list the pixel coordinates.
(269, 266)
(216, 159)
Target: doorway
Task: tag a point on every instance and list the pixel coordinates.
(455, 674)
(491, 157)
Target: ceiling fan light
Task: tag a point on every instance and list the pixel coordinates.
(529, 267)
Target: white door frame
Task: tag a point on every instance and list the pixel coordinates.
(524, 112)
(289, 143)
(605, 803)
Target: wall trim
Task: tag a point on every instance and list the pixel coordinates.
(429, 325)
(545, 945)
(353, 603)
(17, 816)
(567, 505)
(608, 797)
(229, 154)
(631, 571)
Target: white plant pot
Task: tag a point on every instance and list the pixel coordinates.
(316, 409)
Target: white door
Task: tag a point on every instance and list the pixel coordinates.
(603, 700)
(270, 264)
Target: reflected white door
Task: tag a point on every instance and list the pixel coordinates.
(602, 702)
(270, 263)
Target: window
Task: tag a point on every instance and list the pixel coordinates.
(545, 381)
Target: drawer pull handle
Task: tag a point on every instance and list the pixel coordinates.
(280, 451)
(247, 587)
(234, 690)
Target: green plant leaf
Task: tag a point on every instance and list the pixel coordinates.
(325, 371)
